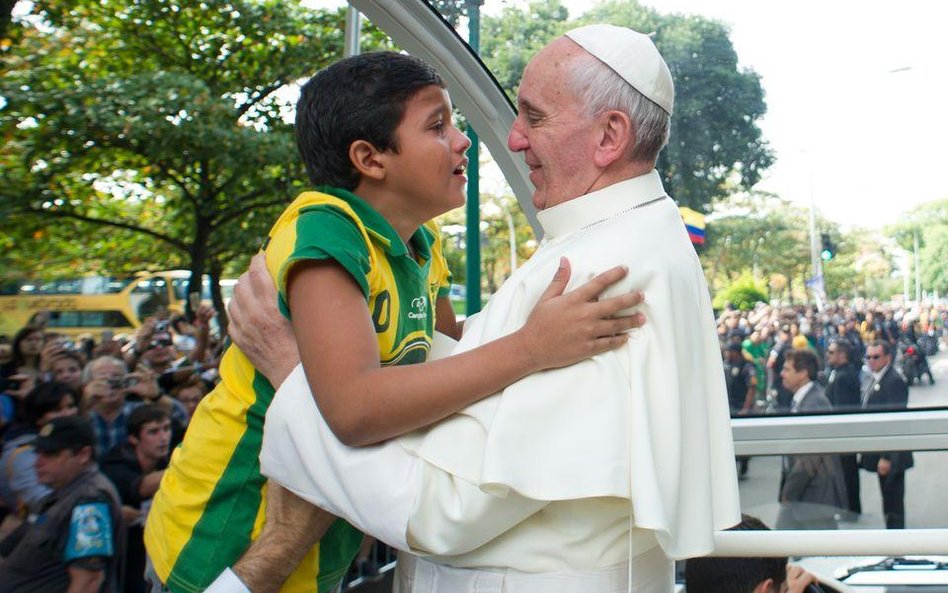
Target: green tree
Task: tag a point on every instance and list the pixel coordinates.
(509, 40)
(934, 257)
(760, 233)
(158, 124)
(6, 10)
(743, 293)
(497, 213)
(451, 10)
(929, 224)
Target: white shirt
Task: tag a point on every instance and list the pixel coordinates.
(647, 423)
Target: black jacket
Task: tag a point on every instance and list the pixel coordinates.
(889, 393)
(842, 389)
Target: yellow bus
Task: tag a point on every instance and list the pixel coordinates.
(95, 304)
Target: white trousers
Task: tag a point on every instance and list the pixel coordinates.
(651, 572)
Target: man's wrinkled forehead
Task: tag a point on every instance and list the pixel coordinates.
(550, 63)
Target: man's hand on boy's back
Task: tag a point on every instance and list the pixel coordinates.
(258, 328)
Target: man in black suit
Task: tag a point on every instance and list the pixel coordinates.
(812, 489)
(842, 390)
(887, 391)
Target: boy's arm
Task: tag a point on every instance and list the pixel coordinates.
(365, 403)
(446, 322)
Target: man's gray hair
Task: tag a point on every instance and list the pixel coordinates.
(98, 361)
(600, 89)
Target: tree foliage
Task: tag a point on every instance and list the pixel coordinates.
(767, 236)
(498, 215)
(744, 293)
(156, 125)
(929, 223)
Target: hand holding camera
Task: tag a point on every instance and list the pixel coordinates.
(141, 384)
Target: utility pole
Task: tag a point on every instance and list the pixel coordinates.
(816, 282)
(918, 269)
(473, 267)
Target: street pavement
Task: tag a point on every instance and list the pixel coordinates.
(925, 484)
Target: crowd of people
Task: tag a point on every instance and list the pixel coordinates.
(850, 357)
(87, 430)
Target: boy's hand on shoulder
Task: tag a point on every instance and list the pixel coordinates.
(258, 328)
(567, 328)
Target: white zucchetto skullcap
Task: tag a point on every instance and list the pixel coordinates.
(632, 56)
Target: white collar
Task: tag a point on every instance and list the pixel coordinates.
(800, 393)
(608, 202)
(878, 376)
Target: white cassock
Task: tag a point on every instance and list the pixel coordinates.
(569, 468)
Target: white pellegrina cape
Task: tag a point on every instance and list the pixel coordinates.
(648, 422)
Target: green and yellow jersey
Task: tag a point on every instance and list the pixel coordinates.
(212, 499)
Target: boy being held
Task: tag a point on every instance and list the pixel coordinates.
(361, 276)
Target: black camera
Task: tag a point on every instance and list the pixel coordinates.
(129, 382)
(161, 326)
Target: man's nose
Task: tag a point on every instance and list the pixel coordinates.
(516, 139)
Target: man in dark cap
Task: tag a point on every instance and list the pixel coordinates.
(74, 543)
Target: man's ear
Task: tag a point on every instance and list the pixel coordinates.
(367, 160)
(616, 140)
(85, 454)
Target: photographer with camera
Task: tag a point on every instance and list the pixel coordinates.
(103, 398)
(158, 354)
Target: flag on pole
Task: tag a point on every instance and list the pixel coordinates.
(694, 223)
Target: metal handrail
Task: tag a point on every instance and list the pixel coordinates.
(844, 542)
(911, 430)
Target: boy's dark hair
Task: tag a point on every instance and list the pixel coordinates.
(45, 398)
(804, 360)
(359, 98)
(734, 575)
(142, 415)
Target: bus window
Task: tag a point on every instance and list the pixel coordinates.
(88, 319)
(149, 296)
(179, 287)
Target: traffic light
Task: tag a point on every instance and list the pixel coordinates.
(829, 250)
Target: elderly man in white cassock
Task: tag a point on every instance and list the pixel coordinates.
(588, 478)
